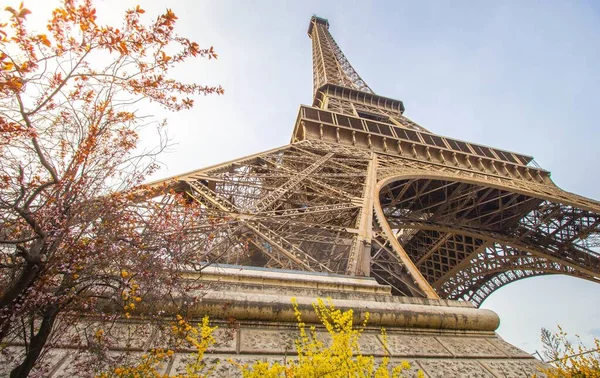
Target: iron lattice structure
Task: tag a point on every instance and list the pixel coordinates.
(363, 190)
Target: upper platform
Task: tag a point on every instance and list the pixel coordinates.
(314, 20)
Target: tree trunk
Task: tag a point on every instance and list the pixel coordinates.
(12, 295)
(27, 276)
(37, 343)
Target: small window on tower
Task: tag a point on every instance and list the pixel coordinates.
(374, 117)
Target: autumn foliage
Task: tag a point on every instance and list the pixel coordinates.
(78, 232)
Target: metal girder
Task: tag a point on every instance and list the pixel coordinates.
(447, 225)
(584, 259)
(359, 259)
(387, 266)
(292, 252)
(498, 266)
(268, 200)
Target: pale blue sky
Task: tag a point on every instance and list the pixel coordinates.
(518, 75)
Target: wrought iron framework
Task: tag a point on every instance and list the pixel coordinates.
(363, 190)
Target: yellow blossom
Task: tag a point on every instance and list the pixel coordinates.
(339, 358)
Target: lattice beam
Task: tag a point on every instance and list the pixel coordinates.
(446, 226)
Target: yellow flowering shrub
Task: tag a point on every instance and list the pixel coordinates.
(151, 364)
(129, 295)
(201, 338)
(341, 358)
(568, 360)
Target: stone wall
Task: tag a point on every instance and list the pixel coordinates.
(440, 337)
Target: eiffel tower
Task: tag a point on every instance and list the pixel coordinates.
(361, 190)
(363, 194)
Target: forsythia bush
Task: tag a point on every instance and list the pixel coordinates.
(154, 362)
(341, 358)
(568, 360)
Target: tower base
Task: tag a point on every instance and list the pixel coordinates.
(253, 309)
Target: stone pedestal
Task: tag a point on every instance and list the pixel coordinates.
(253, 308)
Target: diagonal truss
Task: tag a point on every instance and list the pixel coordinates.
(292, 208)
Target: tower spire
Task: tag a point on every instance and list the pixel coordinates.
(330, 65)
(339, 88)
